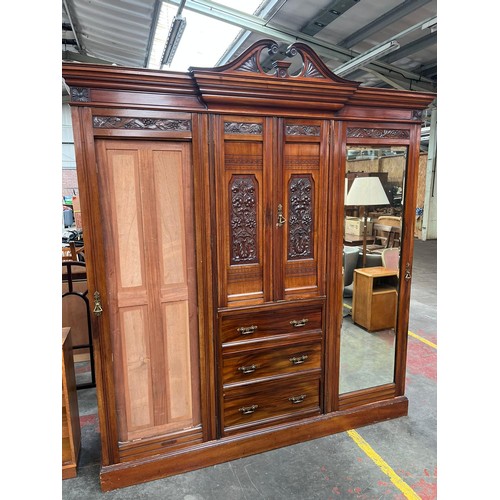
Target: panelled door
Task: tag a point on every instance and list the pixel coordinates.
(146, 202)
(302, 165)
(271, 184)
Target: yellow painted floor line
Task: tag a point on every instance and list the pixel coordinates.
(425, 341)
(384, 466)
(348, 306)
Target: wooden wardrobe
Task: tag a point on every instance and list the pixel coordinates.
(213, 216)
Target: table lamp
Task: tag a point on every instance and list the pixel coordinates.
(366, 192)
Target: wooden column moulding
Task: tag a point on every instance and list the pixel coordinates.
(212, 202)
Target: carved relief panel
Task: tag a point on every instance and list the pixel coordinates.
(304, 161)
(241, 185)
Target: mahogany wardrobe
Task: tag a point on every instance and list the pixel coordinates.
(213, 207)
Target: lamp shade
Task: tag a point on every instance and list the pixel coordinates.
(366, 191)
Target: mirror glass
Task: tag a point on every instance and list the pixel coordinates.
(374, 198)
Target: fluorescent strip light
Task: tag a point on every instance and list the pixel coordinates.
(366, 57)
(174, 37)
(432, 24)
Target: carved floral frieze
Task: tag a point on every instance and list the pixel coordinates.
(243, 128)
(118, 122)
(377, 133)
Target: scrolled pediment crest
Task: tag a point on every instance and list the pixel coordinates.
(250, 62)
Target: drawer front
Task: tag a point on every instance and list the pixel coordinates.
(249, 325)
(265, 402)
(251, 365)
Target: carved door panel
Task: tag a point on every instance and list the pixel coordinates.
(271, 183)
(243, 185)
(146, 197)
(304, 160)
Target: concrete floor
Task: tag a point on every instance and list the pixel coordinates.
(396, 459)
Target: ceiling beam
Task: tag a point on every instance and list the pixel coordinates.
(70, 18)
(152, 31)
(69, 55)
(334, 10)
(402, 10)
(267, 10)
(399, 83)
(259, 25)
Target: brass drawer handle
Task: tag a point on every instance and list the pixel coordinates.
(297, 399)
(247, 369)
(301, 322)
(247, 410)
(247, 330)
(299, 360)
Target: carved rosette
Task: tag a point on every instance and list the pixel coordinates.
(378, 133)
(243, 219)
(117, 122)
(300, 217)
(80, 94)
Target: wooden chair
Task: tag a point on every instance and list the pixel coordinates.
(386, 236)
(382, 237)
(76, 312)
(390, 258)
(72, 253)
(389, 220)
(69, 252)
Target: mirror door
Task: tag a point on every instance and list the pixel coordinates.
(373, 227)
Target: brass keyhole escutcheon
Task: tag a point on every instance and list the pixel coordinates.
(408, 272)
(97, 304)
(281, 219)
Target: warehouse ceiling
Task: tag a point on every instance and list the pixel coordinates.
(392, 43)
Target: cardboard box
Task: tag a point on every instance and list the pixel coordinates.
(354, 225)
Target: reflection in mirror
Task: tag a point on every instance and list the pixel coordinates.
(374, 198)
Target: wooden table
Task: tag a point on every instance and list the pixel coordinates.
(352, 240)
(375, 298)
(71, 433)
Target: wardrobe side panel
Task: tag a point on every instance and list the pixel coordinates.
(146, 196)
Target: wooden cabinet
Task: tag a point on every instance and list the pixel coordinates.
(268, 354)
(71, 433)
(270, 187)
(212, 207)
(375, 297)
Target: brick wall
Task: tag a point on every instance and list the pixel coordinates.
(69, 182)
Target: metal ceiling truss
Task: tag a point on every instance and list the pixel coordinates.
(260, 25)
(326, 16)
(154, 22)
(265, 11)
(70, 15)
(402, 10)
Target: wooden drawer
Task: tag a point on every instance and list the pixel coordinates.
(260, 323)
(292, 398)
(259, 363)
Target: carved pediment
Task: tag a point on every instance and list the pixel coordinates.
(250, 62)
(245, 82)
